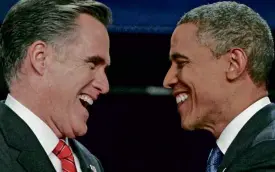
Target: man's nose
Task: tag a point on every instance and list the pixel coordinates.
(171, 77)
(101, 83)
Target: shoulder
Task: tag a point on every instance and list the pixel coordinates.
(262, 150)
(263, 125)
(267, 134)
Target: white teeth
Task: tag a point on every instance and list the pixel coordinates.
(86, 98)
(181, 97)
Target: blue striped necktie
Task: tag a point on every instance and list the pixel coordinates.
(214, 160)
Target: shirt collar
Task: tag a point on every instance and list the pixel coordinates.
(42, 131)
(233, 128)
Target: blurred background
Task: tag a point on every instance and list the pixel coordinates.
(136, 127)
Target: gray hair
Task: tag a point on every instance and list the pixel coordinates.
(45, 20)
(225, 25)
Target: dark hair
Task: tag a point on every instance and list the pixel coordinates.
(224, 25)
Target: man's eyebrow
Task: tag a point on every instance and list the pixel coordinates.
(96, 60)
(175, 56)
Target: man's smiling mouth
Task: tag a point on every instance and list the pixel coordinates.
(86, 100)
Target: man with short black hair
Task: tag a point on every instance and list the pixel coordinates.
(221, 56)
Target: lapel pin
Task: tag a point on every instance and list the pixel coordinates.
(93, 168)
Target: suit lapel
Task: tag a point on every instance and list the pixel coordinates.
(83, 160)
(247, 134)
(19, 136)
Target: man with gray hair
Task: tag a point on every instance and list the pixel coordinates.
(54, 56)
(221, 56)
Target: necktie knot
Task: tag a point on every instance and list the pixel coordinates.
(64, 153)
(214, 160)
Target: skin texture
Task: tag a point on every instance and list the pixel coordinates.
(218, 88)
(53, 80)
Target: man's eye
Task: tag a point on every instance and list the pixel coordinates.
(92, 66)
(181, 64)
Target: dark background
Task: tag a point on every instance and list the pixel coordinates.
(137, 132)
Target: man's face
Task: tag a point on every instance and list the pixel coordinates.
(76, 77)
(197, 79)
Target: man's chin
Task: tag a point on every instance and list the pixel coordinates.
(187, 125)
(75, 131)
(81, 130)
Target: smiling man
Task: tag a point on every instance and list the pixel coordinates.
(54, 55)
(221, 56)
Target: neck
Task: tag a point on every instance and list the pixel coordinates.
(32, 98)
(237, 102)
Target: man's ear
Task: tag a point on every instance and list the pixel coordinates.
(37, 53)
(237, 63)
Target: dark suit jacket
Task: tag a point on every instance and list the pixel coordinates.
(20, 150)
(253, 149)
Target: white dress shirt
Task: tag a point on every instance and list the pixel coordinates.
(42, 131)
(233, 128)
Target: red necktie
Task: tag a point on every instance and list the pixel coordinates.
(64, 153)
